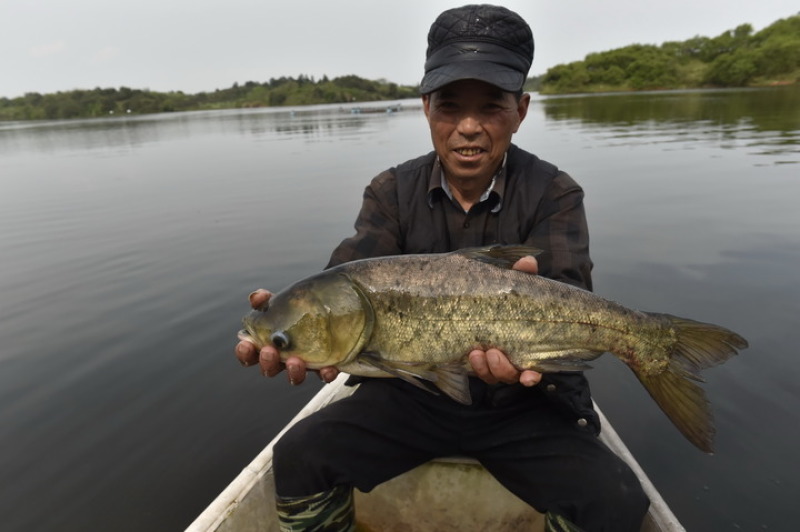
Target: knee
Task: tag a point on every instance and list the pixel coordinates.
(618, 502)
(296, 447)
(628, 495)
(300, 461)
(618, 488)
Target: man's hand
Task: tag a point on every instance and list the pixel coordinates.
(492, 365)
(269, 359)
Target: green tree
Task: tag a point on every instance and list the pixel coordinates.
(736, 57)
(733, 69)
(778, 55)
(571, 77)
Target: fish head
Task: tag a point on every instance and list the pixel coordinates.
(325, 320)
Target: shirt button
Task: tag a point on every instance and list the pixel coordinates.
(551, 388)
(582, 422)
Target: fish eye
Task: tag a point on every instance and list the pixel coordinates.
(279, 339)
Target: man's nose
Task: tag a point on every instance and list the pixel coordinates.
(469, 125)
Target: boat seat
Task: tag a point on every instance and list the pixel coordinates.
(445, 494)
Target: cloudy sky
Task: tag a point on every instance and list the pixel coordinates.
(202, 45)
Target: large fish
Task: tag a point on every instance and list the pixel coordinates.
(416, 317)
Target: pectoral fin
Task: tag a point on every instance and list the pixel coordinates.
(409, 373)
(398, 369)
(451, 379)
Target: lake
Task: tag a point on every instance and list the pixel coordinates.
(128, 246)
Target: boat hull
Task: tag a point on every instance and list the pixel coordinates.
(429, 497)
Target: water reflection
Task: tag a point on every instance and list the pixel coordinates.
(767, 120)
(135, 131)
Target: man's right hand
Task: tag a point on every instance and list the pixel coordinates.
(269, 359)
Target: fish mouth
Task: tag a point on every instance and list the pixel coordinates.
(246, 336)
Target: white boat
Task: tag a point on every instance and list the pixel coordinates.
(430, 497)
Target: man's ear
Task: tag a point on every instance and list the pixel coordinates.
(426, 104)
(522, 108)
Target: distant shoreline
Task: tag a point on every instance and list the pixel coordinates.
(737, 58)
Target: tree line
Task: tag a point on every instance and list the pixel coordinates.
(303, 90)
(736, 58)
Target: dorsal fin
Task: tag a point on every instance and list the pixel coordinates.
(500, 256)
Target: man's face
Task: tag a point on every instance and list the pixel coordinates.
(472, 123)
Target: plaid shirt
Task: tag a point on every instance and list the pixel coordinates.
(531, 202)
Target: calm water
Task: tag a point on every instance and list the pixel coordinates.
(128, 246)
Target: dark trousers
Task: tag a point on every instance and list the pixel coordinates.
(388, 427)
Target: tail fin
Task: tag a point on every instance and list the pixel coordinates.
(699, 346)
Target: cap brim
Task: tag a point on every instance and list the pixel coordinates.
(501, 76)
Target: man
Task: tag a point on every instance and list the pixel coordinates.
(475, 188)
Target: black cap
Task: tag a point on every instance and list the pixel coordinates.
(484, 42)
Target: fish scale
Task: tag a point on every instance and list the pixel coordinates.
(479, 307)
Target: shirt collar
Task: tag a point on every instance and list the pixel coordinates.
(497, 186)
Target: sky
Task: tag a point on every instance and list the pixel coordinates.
(203, 45)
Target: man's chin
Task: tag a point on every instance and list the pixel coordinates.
(468, 171)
